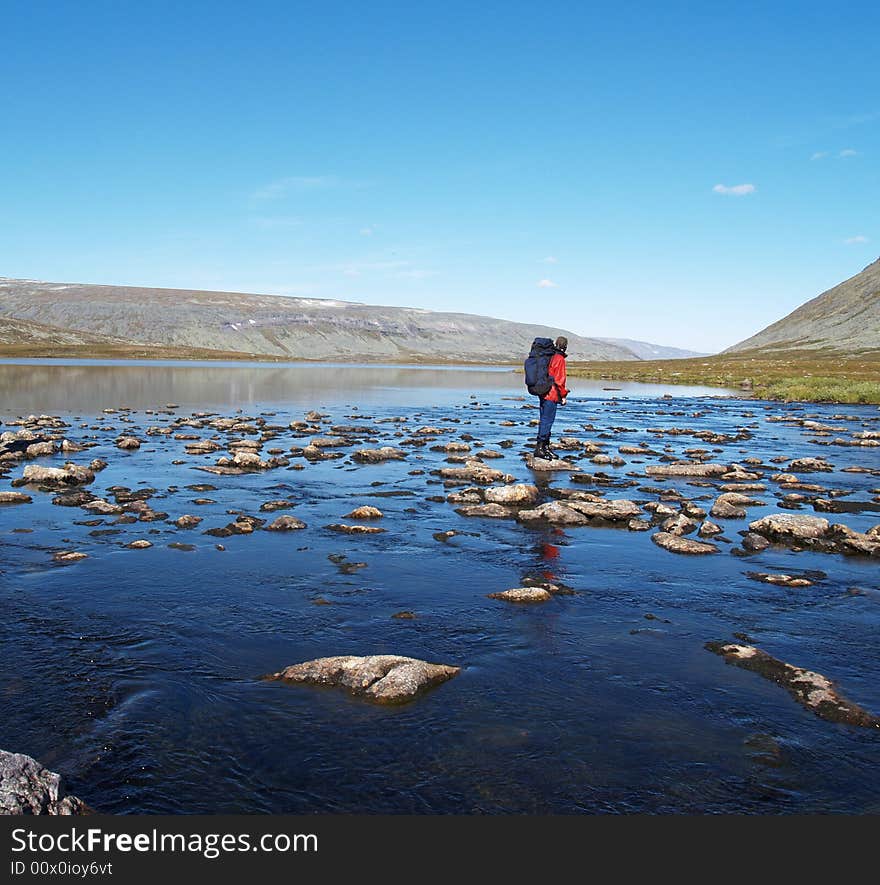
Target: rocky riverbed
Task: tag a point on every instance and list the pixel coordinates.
(157, 563)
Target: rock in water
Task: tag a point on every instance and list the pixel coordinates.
(15, 498)
(555, 513)
(790, 527)
(677, 544)
(384, 679)
(543, 464)
(344, 529)
(811, 690)
(755, 543)
(285, 524)
(492, 511)
(518, 494)
(686, 468)
(28, 788)
(365, 512)
(523, 594)
(70, 474)
(375, 456)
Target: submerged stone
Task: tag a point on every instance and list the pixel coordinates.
(811, 690)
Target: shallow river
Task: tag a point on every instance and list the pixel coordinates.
(135, 673)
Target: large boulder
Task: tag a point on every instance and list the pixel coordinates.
(26, 787)
(384, 679)
(788, 527)
(68, 475)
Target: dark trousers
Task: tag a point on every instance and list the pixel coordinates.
(548, 414)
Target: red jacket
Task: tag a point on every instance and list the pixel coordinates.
(556, 370)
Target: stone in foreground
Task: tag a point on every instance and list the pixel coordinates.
(26, 787)
(811, 690)
(383, 679)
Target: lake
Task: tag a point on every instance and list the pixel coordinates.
(136, 673)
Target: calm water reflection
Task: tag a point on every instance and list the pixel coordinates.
(28, 386)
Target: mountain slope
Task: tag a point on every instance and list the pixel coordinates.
(25, 332)
(644, 350)
(271, 325)
(844, 319)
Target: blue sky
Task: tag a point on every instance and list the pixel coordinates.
(680, 173)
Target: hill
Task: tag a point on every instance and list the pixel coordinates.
(845, 319)
(270, 326)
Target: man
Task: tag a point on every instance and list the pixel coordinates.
(552, 399)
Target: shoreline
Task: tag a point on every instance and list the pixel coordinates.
(789, 376)
(795, 376)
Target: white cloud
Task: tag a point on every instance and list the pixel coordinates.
(842, 155)
(283, 186)
(853, 241)
(735, 190)
(547, 284)
(550, 259)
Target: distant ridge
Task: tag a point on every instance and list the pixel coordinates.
(647, 351)
(273, 326)
(845, 319)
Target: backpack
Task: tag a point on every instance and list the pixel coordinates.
(537, 365)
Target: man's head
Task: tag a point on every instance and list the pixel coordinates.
(561, 343)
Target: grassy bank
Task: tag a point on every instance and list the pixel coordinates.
(807, 376)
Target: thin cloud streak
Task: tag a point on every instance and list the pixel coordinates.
(735, 190)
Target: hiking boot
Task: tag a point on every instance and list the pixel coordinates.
(541, 451)
(549, 453)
